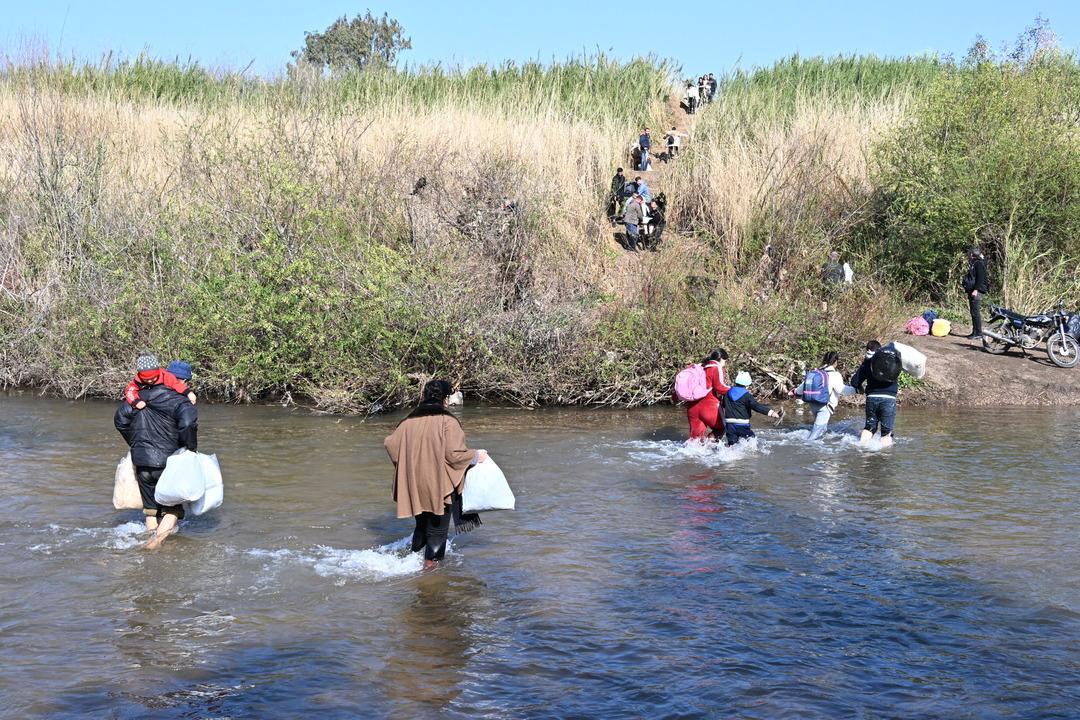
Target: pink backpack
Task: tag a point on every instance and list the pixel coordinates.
(918, 326)
(691, 384)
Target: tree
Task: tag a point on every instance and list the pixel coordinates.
(357, 44)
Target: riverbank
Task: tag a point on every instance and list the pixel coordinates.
(961, 374)
(338, 240)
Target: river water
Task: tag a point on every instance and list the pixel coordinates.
(638, 577)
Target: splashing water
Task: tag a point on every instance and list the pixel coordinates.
(380, 563)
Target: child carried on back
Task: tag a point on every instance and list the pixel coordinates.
(148, 372)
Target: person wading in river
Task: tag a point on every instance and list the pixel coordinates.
(830, 391)
(880, 399)
(739, 405)
(430, 459)
(167, 423)
(704, 415)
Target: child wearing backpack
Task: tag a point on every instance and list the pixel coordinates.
(821, 390)
(879, 373)
(701, 387)
(739, 404)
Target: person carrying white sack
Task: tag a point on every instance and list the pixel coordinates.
(813, 391)
(167, 423)
(430, 458)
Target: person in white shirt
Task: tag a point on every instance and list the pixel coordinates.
(823, 411)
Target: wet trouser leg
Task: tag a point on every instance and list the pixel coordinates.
(704, 416)
(822, 414)
(880, 412)
(148, 477)
(736, 432)
(974, 303)
(430, 534)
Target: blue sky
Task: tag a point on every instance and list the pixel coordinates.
(701, 36)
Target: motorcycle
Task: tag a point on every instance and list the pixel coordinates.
(1057, 329)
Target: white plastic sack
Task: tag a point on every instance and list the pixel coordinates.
(914, 362)
(125, 494)
(182, 481)
(214, 490)
(849, 274)
(486, 489)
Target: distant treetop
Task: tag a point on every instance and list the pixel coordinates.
(357, 44)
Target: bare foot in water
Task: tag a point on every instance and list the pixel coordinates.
(166, 528)
(430, 565)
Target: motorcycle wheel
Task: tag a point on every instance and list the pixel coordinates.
(1063, 350)
(996, 347)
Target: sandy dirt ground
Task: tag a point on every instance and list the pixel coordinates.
(959, 372)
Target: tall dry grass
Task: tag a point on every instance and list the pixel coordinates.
(278, 235)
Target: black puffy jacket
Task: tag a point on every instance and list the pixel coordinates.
(976, 277)
(167, 423)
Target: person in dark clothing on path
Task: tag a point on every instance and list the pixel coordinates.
(618, 185)
(645, 143)
(655, 227)
(167, 423)
(880, 400)
(739, 404)
(975, 285)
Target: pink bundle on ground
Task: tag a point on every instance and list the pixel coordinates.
(918, 326)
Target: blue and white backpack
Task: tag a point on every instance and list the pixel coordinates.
(815, 387)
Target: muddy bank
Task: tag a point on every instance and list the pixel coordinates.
(960, 373)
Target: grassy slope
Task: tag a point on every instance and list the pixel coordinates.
(267, 231)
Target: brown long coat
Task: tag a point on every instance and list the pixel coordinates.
(430, 458)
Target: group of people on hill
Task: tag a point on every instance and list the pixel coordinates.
(640, 151)
(726, 410)
(632, 204)
(699, 93)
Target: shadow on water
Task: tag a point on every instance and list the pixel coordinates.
(289, 675)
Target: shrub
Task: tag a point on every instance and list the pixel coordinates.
(990, 157)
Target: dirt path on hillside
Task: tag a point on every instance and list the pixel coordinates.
(624, 278)
(960, 372)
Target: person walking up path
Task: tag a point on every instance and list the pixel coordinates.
(632, 218)
(645, 143)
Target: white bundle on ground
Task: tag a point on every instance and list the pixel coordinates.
(214, 490)
(486, 489)
(914, 362)
(182, 480)
(125, 494)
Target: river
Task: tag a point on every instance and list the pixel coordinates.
(637, 578)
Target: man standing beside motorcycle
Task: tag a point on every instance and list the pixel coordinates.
(975, 286)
